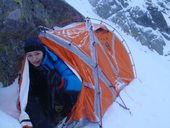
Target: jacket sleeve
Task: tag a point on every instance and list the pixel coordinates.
(71, 81)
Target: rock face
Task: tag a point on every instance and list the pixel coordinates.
(19, 19)
(147, 22)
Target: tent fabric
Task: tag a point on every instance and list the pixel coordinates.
(24, 82)
(99, 58)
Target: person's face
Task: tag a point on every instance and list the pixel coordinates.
(35, 57)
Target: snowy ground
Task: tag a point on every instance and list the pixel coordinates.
(147, 97)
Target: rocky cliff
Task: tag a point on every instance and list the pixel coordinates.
(20, 19)
(148, 21)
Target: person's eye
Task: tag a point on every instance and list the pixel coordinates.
(29, 56)
(37, 53)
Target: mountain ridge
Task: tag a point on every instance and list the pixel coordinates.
(147, 21)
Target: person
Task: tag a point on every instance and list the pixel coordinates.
(53, 86)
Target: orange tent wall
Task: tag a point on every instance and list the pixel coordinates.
(126, 71)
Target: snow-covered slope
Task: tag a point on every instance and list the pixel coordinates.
(6, 121)
(145, 20)
(8, 107)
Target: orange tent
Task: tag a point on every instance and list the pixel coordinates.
(100, 59)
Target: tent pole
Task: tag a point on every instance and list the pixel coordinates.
(97, 101)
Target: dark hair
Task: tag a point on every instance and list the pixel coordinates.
(33, 44)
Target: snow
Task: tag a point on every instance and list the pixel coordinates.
(147, 96)
(167, 18)
(6, 104)
(8, 109)
(84, 6)
(139, 3)
(8, 121)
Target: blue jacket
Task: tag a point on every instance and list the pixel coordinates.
(52, 61)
